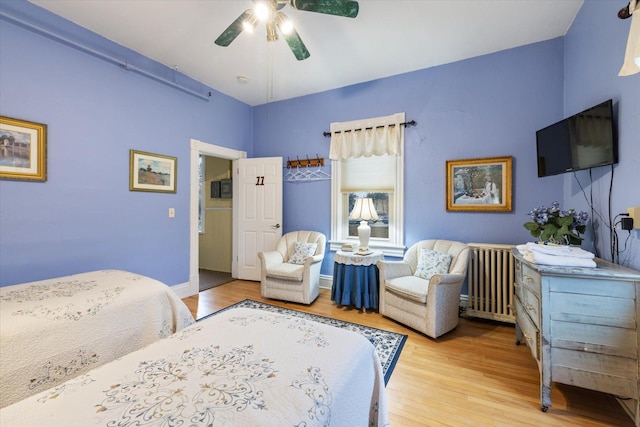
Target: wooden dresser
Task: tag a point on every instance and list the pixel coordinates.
(581, 325)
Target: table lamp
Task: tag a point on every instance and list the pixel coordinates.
(364, 211)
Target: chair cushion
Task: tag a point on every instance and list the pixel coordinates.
(302, 251)
(432, 262)
(286, 271)
(411, 287)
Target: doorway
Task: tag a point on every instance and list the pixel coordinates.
(199, 148)
(215, 222)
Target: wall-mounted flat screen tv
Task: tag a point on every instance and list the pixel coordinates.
(582, 141)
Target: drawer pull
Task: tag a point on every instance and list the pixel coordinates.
(528, 278)
(529, 307)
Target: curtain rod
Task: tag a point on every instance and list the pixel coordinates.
(411, 123)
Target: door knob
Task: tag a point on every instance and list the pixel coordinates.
(275, 226)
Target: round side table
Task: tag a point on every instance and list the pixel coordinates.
(356, 279)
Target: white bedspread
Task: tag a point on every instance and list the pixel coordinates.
(56, 329)
(241, 367)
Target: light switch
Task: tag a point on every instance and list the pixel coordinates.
(172, 212)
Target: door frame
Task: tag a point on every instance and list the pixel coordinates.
(202, 148)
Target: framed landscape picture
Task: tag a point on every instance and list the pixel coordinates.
(152, 172)
(23, 150)
(479, 184)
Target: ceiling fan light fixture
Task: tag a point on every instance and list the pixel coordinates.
(284, 24)
(262, 10)
(272, 35)
(268, 11)
(250, 22)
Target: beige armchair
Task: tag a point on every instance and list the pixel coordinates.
(429, 306)
(292, 275)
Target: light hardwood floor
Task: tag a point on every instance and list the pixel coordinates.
(472, 376)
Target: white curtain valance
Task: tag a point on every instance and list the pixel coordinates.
(366, 138)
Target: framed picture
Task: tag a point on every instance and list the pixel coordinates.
(479, 184)
(23, 150)
(226, 189)
(152, 172)
(215, 190)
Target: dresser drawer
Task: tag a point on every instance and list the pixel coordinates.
(531, 279)
(531, 304)
(592, 309)
(597, 339)
(608, 374)
(529, 330)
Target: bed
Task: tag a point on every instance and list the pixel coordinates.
(56, 329)
(240, 367)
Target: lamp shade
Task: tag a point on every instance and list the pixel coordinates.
(631, 63)
(364, 209)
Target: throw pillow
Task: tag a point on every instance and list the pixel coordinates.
(302, 251)
(432, 262)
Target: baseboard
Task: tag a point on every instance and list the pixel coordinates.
(184, 290)
(326, 281)
(464, 301)
(464, 304)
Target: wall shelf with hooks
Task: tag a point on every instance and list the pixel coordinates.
(306, 170)
(318, 161)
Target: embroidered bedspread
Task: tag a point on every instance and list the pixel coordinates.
(53, 330)
(241, 367)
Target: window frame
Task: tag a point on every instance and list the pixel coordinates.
(394, 245)
(201, 193)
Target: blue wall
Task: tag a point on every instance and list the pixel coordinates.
(84, 217)
(482, 107)
(595, 47)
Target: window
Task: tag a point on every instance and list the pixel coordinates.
(380, 227)
(376, 172)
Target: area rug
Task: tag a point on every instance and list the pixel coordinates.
(388, 344)
(210, 279)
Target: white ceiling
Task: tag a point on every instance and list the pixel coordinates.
(387, 38)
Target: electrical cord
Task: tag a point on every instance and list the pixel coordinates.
(594, 212)
(616, 241)
(608, 223)
(612, 228)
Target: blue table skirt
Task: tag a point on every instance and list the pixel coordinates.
(355, 285)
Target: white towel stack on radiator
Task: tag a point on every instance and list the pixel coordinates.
(564, 256)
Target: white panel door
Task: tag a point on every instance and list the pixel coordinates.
(259, 226)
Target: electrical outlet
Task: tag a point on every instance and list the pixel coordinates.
(634, 213)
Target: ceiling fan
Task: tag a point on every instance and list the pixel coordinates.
(268, 11)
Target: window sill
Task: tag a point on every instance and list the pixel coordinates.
(387, 249)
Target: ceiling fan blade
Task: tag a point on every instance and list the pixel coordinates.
(297, 46)
(234, 29)
(344, 8)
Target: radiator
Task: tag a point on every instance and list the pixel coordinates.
(490, 278)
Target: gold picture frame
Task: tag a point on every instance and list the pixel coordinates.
(152, 172)
(477, 185)
(23, 150)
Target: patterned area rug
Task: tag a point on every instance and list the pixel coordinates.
(388, 344)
